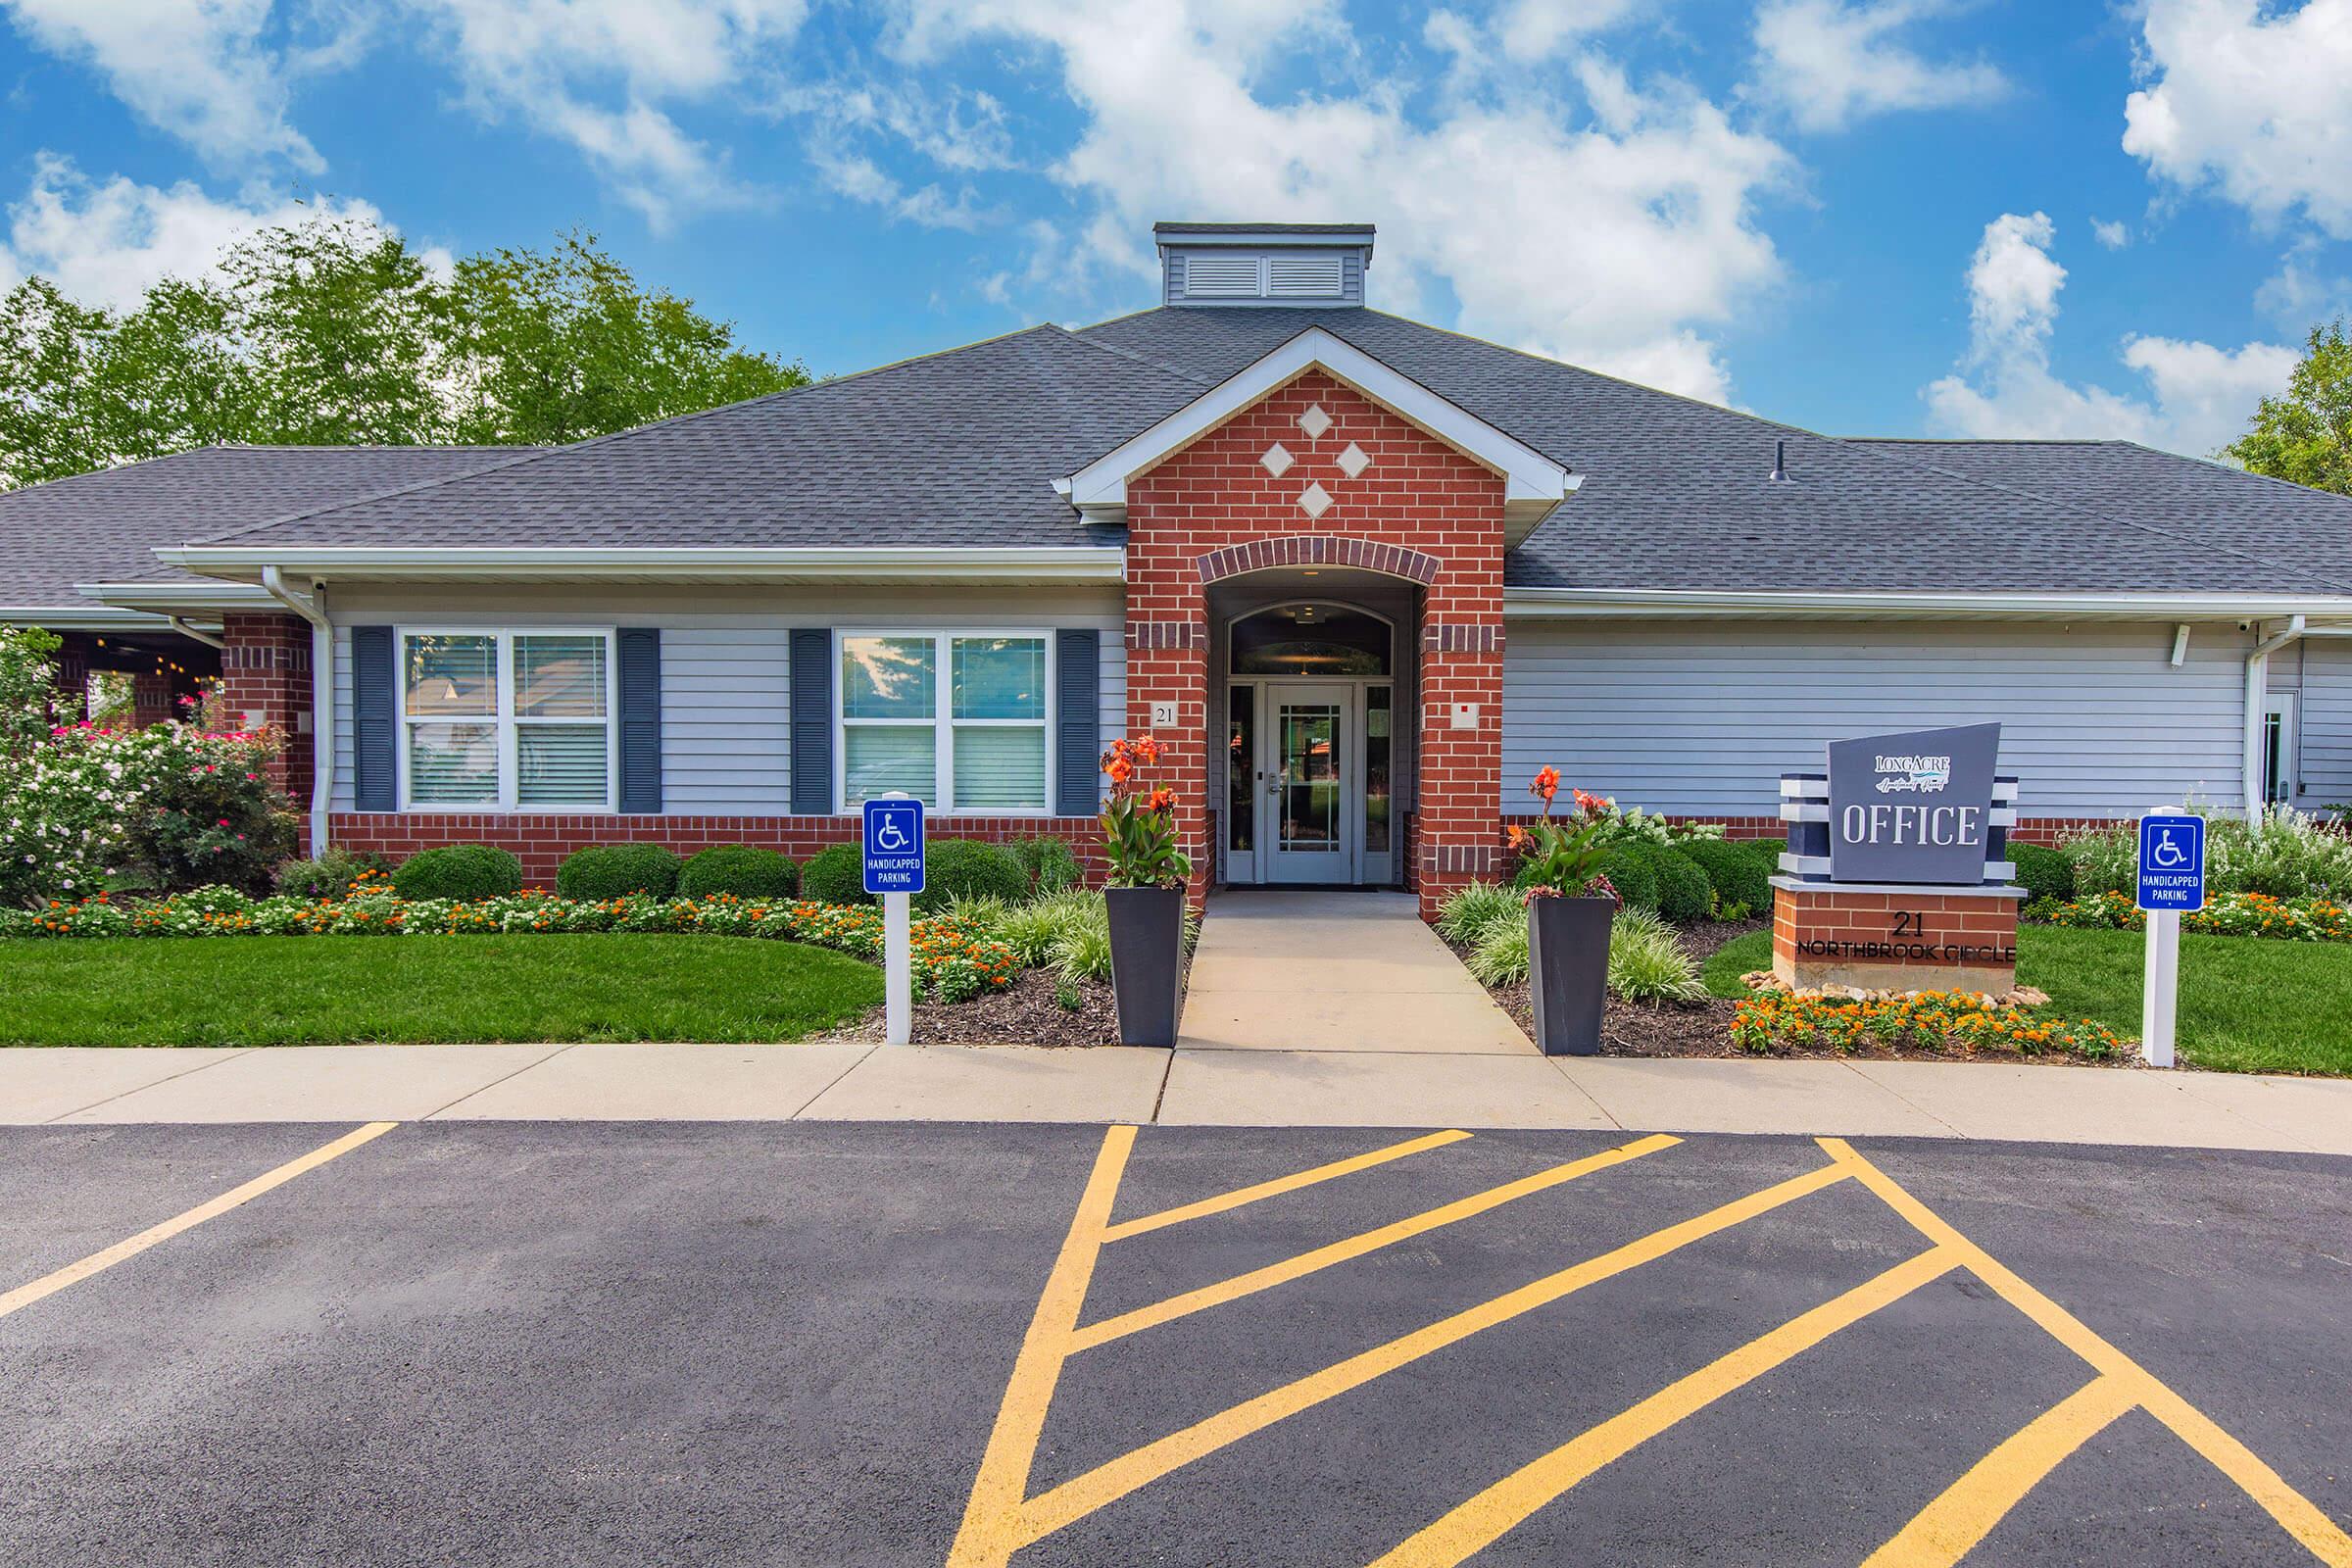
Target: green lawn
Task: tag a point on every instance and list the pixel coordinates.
(280, 990)
(2247, 1004)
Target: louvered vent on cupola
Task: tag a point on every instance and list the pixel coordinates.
(1264, 263)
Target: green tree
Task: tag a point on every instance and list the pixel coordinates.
(556, 346)
(335, 333)
(2306, 436)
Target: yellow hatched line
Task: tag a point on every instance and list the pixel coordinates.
(1280, 1184)
(1949, 1528)
(47, 1285)
(1483, 1520)
(1082, 1495)
(2295, 1513)
(1355, 1247)
(986, 1536)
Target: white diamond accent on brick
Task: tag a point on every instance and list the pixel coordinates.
(1314, 421)
(1354, 460)
(1278, 459)
(1314, 500)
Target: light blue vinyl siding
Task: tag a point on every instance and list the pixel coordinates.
(726, 733)
(1702, 718)
(2324, 714)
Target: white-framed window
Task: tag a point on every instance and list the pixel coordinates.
(2278, 749)
(962, 719)
(495, 719)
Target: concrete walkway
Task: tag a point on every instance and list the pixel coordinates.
(1353, 972)
(1218, 1085)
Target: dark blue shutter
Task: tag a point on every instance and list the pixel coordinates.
(375, 722)
(812, 721)
(1078, 705)
(640, 651)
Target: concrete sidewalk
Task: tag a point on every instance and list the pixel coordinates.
(1245, 1087)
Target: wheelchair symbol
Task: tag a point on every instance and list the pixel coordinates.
(889, 836)
(2166, 855)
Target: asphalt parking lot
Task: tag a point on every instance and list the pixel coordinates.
(519, 1342)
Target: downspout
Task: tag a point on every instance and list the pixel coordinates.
(2258, 684)
(313, 609)
(179, 624)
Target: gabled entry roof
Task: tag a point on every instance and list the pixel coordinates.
(1533, 484)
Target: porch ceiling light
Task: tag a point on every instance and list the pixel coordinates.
(1277, 460)
(1354, 460)
(1314, 421)
(1314, 500)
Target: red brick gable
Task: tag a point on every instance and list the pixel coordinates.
(1420, 510)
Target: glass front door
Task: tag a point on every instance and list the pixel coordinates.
(1306, 826)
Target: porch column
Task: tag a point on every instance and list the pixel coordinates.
(266, 683)
(1461, 737)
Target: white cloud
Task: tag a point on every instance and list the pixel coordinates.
(605, 75)
(2299, 294)
(1828, 62)
(2198, 395)
(197, 69)
(1616, 230)
(2251, 99)
(2111, 232)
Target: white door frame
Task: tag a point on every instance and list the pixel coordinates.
(1336, 867)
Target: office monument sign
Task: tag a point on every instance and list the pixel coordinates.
(1913, 808)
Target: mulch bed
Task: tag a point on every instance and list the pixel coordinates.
(1703, 1028)
(1027, 1012)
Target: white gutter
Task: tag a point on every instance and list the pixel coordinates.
(1564, 602)
(179, 624)
(881, 563)
(79, 618)
(2257, 685)
(313, 609)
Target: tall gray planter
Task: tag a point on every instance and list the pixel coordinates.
(1147, 956)
(1568, 972)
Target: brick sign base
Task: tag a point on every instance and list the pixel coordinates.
(1885, 938)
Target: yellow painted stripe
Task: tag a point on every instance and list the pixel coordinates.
(990, 1533)
(1082, 1495)
(1949, 1528)
(1279, 1185)
(1487, 1517)
(24, 1295)
(1353, 1246)
(2296, 1514)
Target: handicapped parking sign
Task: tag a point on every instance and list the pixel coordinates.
(894, 844)
(2172, 862)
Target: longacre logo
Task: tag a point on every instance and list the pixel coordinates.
(1921, 775)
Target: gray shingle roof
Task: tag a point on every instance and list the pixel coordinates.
(1678, 493)
(958, 449)
(954, 449)
(106, 526)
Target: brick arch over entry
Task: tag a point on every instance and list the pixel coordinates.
(1319, 550)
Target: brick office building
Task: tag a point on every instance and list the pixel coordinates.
(1362, 576)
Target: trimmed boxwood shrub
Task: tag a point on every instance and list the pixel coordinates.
(744, 869)
(1051, 863)
(2043, 873)
(1628, 872)
(966, 869)
(1736, 872)
(615, 871)
(1683, 888)
(836, 874)
(458, 871)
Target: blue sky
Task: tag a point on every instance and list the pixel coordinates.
(1939, 217)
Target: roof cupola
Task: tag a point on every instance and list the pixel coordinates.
(1264, 263)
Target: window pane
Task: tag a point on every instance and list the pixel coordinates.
(453, 765)
(1377, 725)
(888, 677)
(1000, 769)
(559, 677)
(878, 759)
(1241, 767)
(559, 765)
(453, 675)
(999, 677)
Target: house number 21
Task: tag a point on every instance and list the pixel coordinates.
(1910, 923)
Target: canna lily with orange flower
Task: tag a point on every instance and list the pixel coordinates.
(1139, 834)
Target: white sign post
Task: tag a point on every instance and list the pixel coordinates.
(2172, 879)
(894, 870)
